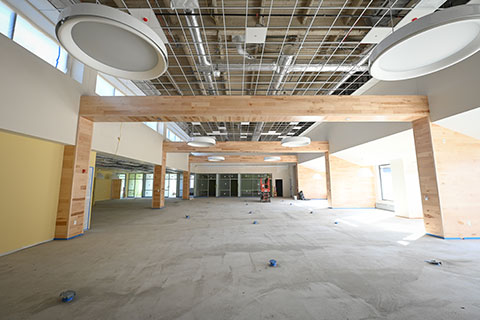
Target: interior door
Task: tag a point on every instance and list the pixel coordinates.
(212, 188)
(279, 187)
(233, 188)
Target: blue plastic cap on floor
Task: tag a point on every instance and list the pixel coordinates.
(273, 263)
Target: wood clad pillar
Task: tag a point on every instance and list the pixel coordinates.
(449, 172)
(349, 185)
(186, 185)
(73, 184)
(159, 172)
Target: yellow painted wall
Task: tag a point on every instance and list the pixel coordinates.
(30, 171)
(103, 184)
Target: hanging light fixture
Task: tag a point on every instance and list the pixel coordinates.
(112, 42)
(292, 142)
(271, 159)
(202, 142)
(216, 158)
(429, 44)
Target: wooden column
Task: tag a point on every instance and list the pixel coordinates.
(73, 183)
(449, 172)
(159, 171)
(349, 185)
(116, 188)
(186, 185)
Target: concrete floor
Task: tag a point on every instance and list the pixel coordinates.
(138, 263)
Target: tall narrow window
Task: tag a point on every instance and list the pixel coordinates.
(7, 20)
(39, 44)
(386, 184)
(105, 88)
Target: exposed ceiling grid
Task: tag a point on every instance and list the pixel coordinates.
(312, 47)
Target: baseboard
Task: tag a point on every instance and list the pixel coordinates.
(26, 247)
(452, 238)
(78, 235)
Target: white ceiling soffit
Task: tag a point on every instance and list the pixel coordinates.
(317, 164)
(465, 123)
(396, 146)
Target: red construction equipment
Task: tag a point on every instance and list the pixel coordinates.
(265, 190)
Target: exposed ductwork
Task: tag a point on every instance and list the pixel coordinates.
(194, 28)
(239, 41)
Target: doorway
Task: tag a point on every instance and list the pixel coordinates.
(233, 188)
(212, 188)
(279, 187)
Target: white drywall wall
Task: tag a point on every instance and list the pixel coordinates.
(177, 161)
(36, 99)
(129, 139)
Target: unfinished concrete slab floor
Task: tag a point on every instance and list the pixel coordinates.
(139, 263)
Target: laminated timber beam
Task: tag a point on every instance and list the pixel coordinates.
(259, 147)
(254, 108)
(242, 159)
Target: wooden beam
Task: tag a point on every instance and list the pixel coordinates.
(253, 108)
(246, 147)
(240, 159)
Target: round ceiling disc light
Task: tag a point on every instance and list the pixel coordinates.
(112, 42)
(429, 44)
(271, 159)
(216, 158)
(202, 142)
(292, 142)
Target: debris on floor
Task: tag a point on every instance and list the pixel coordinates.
(68, 295)
(255, 222)
(187, 217)
(336, 222)
(311, 212)
(250, 212)
(273, 263)
(434, 262)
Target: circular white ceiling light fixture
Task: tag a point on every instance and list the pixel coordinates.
(112, 42)
(271, 159)
(202, 142)
(292, 142)
(216, 158)
(429, 44)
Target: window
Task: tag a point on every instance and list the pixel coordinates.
(172, 136)
(152, 125)
(7, 20)
(35, 41)
(148, 190)
(386, 185)
(105, 88)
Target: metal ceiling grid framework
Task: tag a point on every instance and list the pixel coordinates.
(312, 47)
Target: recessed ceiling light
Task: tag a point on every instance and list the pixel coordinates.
(272, 132)
(215, 132)
(281, 137)
(292, 142)
(196, 133)
(245, 123)
(196, 123)
(429, 44)
(296, 128)
(294, 123)
(270, 159)
(202, 142)
(112, 41)
(222, 128)
(216, 158)
(290, 133)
